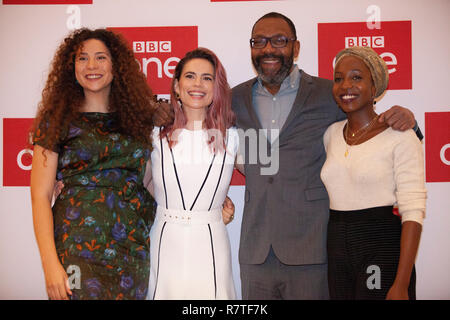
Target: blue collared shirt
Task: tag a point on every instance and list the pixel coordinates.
(273, 110)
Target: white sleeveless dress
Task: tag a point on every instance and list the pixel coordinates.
(189, 245)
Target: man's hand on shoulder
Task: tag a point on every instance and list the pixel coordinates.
(398, 118)
(164, 114)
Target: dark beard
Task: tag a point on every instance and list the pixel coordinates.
(277, 79)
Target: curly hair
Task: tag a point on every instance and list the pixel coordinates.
(62, 97)
(219, 115)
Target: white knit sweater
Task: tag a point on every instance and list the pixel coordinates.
(387, 169)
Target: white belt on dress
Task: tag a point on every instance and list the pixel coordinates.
(188, 217)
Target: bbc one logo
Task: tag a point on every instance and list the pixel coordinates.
(152, 46)
(373, 42)
(437, 146)
(392, 42)
(166, 69)
(17, 156)
(158, 50)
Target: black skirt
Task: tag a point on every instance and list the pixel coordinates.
(363, 254)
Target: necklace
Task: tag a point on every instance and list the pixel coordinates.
(364, 129)
(357, 131)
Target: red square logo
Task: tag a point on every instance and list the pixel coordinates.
(392, 42)
(158, 50)
(437, 146)
(237, 179)
(17, 156)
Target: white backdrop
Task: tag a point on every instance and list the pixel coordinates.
(29, 35)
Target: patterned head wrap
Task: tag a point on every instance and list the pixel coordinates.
(373, 61)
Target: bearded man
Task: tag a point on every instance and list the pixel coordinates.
(283, 245)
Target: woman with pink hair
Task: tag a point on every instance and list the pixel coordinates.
(191, 167)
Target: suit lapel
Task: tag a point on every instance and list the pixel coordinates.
(303, 93)
(248, 100)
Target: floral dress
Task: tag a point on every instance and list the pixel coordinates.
(104, 213)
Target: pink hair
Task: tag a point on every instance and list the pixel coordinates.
(219, 115)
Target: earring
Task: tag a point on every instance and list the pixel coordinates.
(180, 104)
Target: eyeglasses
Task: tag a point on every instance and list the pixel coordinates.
(275, 41)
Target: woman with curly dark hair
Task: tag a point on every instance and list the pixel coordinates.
(93, 132)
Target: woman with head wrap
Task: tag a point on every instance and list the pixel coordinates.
(369, 169)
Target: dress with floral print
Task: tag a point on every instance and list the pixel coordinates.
(103, 215)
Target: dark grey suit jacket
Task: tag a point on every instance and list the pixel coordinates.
(288, 210)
